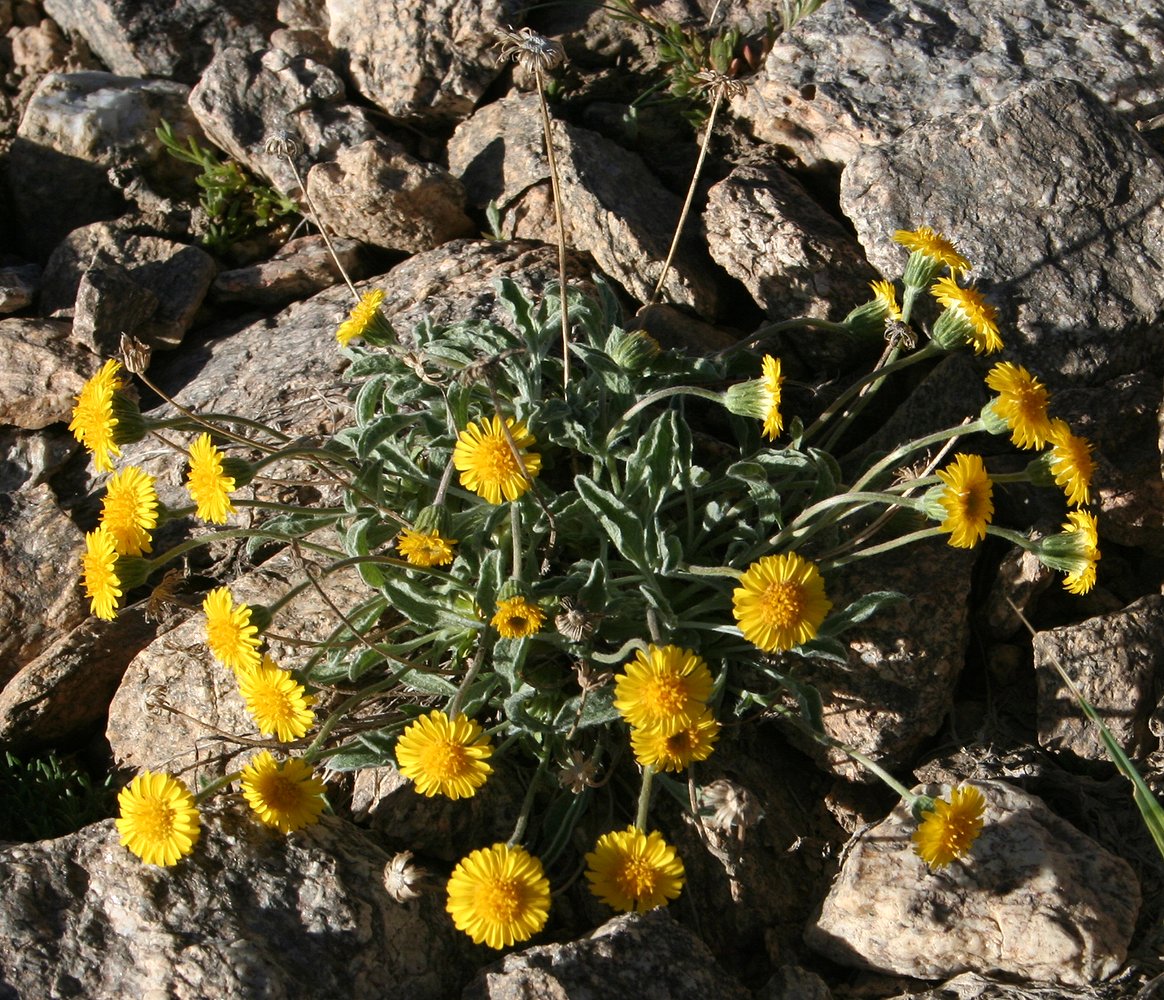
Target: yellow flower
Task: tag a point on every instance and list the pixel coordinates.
(425, 548)
(232, 639)
(772, 380)
(209, 486)
(285, 796)
(932, 245)
(276, 701)
(486, 461)
(965, 500)
(1075, 551)
(99, 565)
(93, 420)
(666, 685)
(444, 756)
(633, 871)
(949, 830)
(129, 510)
(517, 618)
(1022, 403)
(886, 295)
(1071, 463)
(158, 819)
(665, 750)
(364, 318)
(499, 895)
(780, 602)
(967, 314)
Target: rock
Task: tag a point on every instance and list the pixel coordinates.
(1036, 899)
(969, 986)
(791, 982)
(1067, 241)
(247, 97)
(76, 127)
(612, 206)
(1114, 661)
(427, 63)
(18, 285)
(859, 74)
(377, 193)
(177, 276)
(645, 955)
(765, 230)
(38, 49)
(160, 38)
(39, 596)
(109, 304)
(41, 372)
(298, 270)
(250, 913)
(32, 457)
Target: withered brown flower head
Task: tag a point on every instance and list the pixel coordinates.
(530, 50)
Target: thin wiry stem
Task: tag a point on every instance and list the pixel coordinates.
(557, 192)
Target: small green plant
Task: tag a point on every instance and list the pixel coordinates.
(235, 203)
(43, 798)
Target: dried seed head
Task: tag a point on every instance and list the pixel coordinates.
(733, 808)
(283, 143)
(897, 334)
(578, 775)
(163, 594)
(574, 621)
(530, 50)
(135, 354)
(710, 79)
(588, 680)
(402, 879)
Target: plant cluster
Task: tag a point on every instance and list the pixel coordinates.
(44, 797)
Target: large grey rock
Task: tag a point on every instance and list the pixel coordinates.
(1035, 899)
(41, 372)
(161, 38)
(299, 269)
(612, 206)
(1059, 206)
(859, 73)
(378, 193)
(29, 458)
(18, 285)
(426, 62)
(251, 913)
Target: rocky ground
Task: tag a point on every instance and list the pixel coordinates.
(1031, 134)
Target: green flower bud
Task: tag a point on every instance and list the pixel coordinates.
(632, 351)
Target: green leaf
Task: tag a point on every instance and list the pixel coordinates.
(622, 526)
(372, 749)
(432, 684)
(599, 708)
(862, 608)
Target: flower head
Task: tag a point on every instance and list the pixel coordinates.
(633, 871)
(488, 463)
(673, 749)
(232, 638)
(499, 895)
(760, 398)
(277, 701)
(444, 756)
(93, 420)
(209, 486)
(1071, 463)
(733, 808)
(425, 548)
(365, 320)
(773, 421)
(780, 602)
(968, 317)
(531, 51)
(930, 252)
(285, 796)
(949, 830)
(158, 819)
(869, 318)
(885, 294)
(666, 685)
(965, 500)
(402, 879)
(517, 618)
(129, 510)
(1022, 403)
(99, 569)
(1074, 551)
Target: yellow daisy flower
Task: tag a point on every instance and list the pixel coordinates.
(444, 756)
(1071, 463)
(666, 686)
(425, 548)
(99, 569)
(208, 485)
(285, 796)
(517, 618)
(759, 398)
(886, 295)
(949, 830)
(780, 602)
(932, 245)
(772, 381)
(664, 750)
(232, 639)
(158, 820)
(277, 701)
(486, 462)
(129, 510)
(965, 500)
(1022, 403)
(633, 872)
(1074, 551)
(499, 895)
(93, 421)
(968, 315)
(364, 319)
